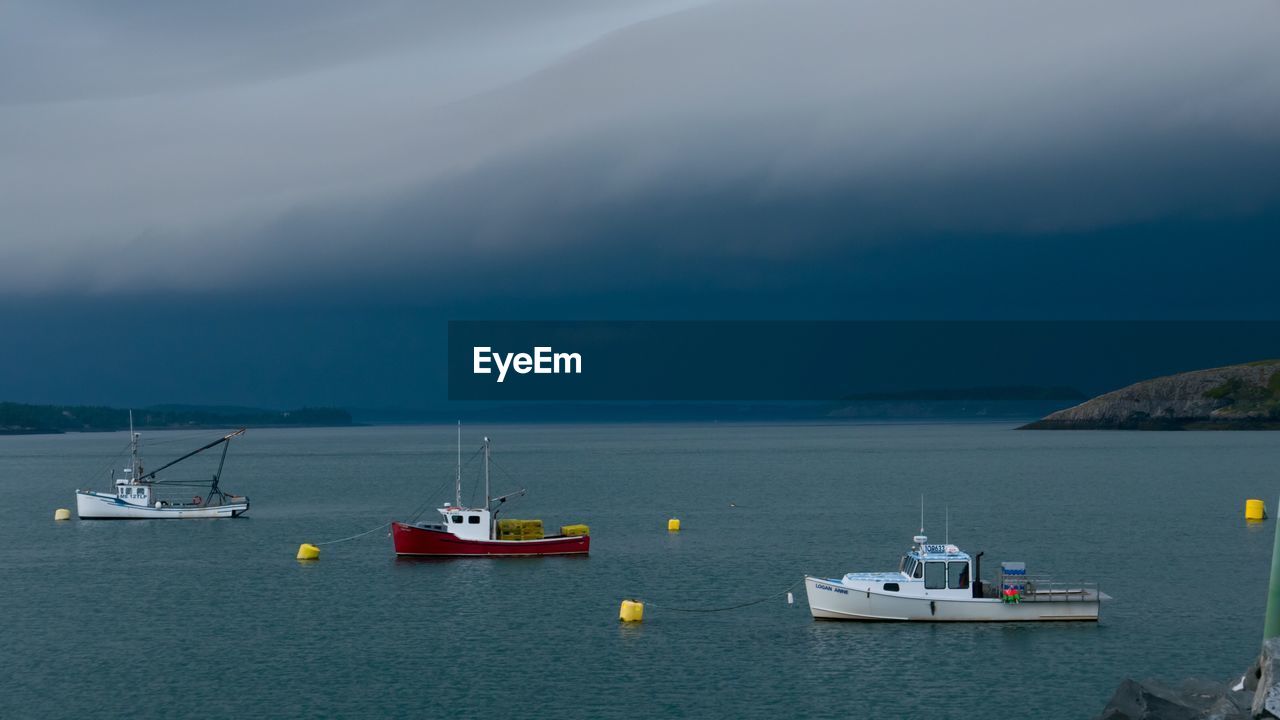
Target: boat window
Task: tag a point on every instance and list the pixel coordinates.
(473, 519)
(957, 575)
(891, 587)
(455, 518)
(935, 575)
(916, 569)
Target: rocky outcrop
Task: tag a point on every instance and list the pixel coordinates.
(1265, 675)
(1233, 397)
(1190, 700)
(1256, 695)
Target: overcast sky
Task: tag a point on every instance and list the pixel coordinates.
(802, 158)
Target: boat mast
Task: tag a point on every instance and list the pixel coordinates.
(457, 475)
(486, 485)
(135, 467)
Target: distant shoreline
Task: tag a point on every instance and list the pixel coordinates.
(28, 419)
(154, 428)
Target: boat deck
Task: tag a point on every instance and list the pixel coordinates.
(1039, 588)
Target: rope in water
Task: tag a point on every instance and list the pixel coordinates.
(353, 537)
(788, 589)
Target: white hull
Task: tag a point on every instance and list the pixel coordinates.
(100, 506)
(833, 600)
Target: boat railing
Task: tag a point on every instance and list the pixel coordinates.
(1041, 588)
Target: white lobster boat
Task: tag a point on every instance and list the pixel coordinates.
(939, 583)
(137, 497)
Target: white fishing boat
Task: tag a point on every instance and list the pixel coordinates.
(940, 583)
(140, 495)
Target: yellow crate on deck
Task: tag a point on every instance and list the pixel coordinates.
(513, 529)
(574, 530)
(510, 526)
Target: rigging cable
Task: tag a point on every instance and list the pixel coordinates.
(111, 464)
(503, 470)
(416, 513)
(471, 498)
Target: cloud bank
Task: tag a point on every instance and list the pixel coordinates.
(421, 150)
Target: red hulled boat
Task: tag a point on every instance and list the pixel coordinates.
(472, 532)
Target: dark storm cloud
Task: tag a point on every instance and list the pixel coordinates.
(742, 146)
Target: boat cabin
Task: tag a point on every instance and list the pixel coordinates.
(925, 571)
(466, 523)
(937, 567)
(134, 494)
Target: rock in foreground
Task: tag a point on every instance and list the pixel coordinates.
(1255, 695)
(1191, 700)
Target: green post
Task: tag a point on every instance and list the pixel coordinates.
(1272, 627)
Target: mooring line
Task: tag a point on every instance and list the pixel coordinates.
(788, 589)
(353, 537)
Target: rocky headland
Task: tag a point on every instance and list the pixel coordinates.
(1235, 397)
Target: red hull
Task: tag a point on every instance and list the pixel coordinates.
(410, 540)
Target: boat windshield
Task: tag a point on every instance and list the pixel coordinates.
(935, 575)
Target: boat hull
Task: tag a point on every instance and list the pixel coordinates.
(100, 506)
(829, 599)
(413, 541)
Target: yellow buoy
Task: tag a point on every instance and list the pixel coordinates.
(631, 611)
(1255, 510)
(62, 514)
(307, 551)
(673, 525)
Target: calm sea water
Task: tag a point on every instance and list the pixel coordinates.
(217, 619)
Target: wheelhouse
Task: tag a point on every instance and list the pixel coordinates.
(135, 494)
(939, 567)
(468, 523)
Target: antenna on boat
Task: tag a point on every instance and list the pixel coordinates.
(486, 473)
(946, 534)
(457, 477)
(920, 538)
